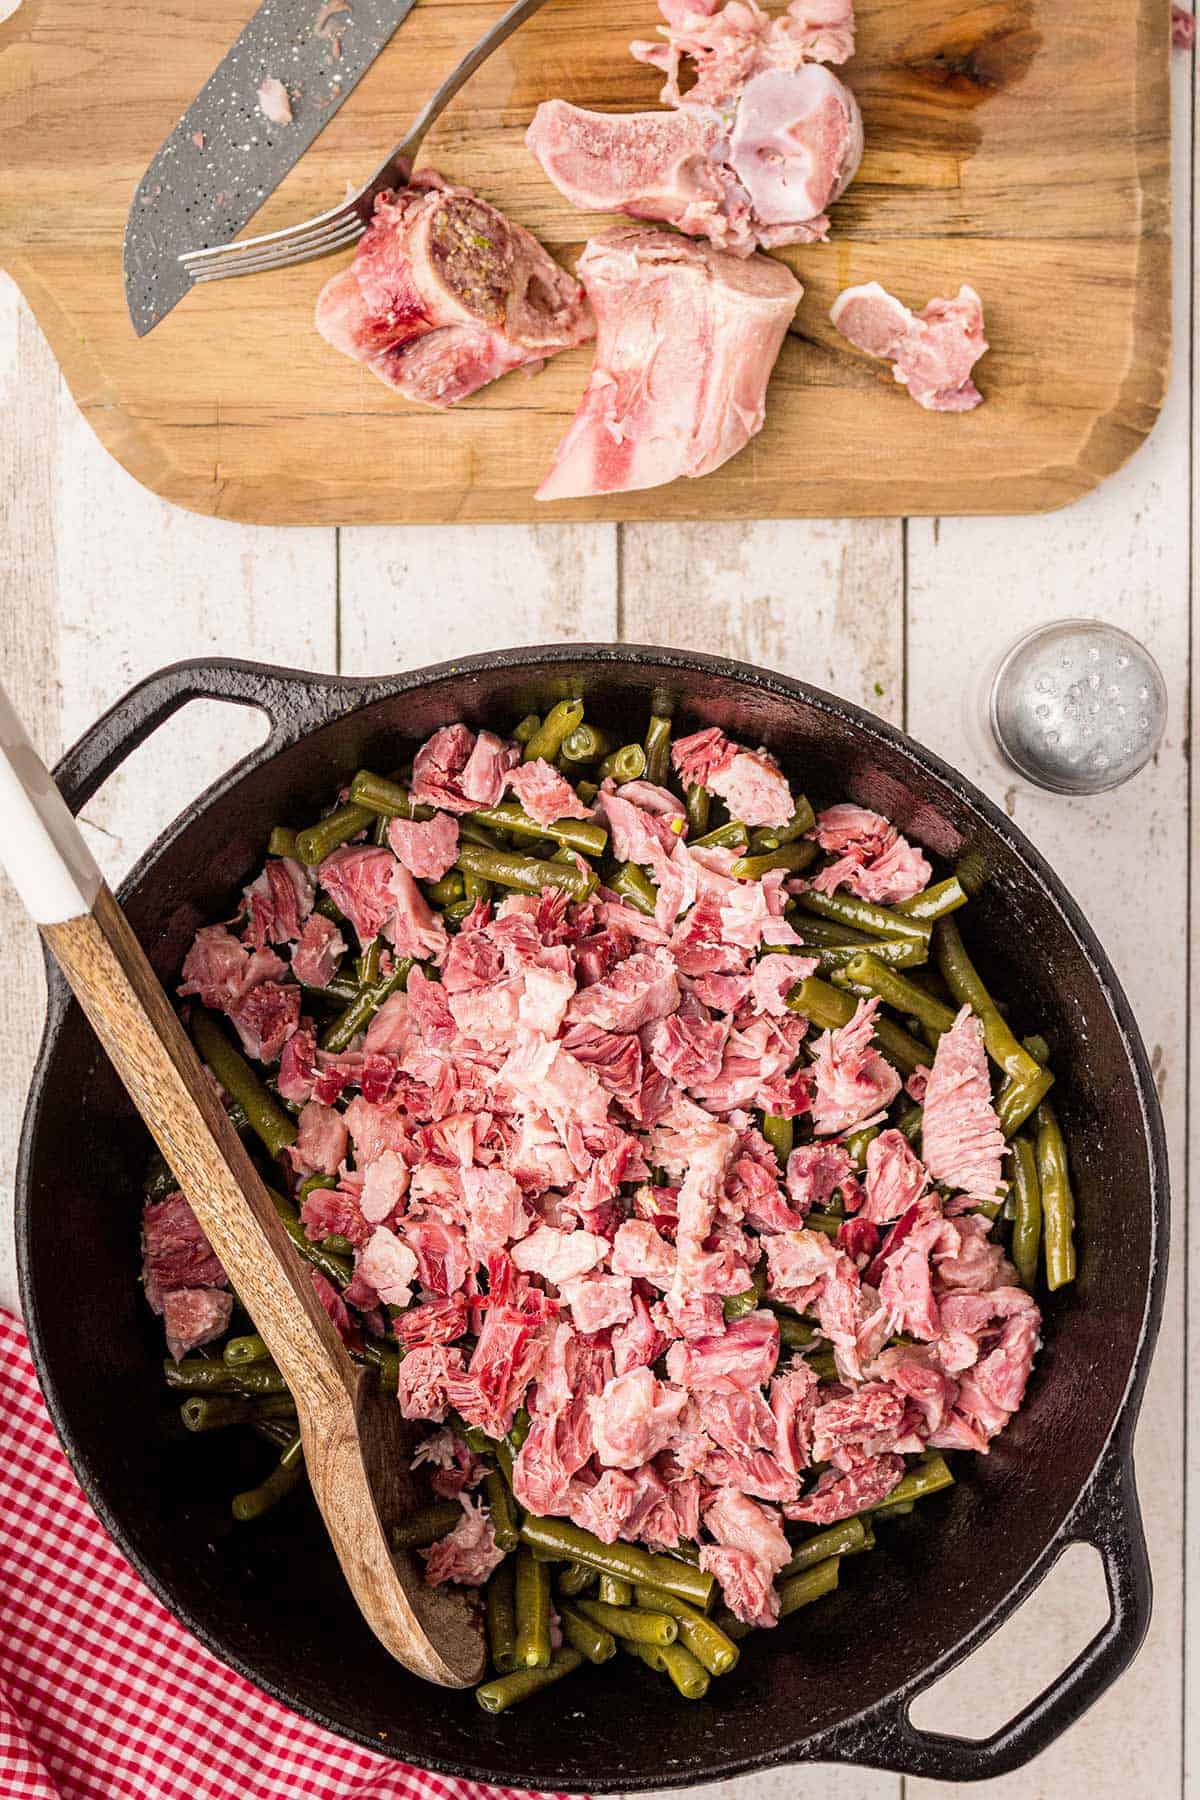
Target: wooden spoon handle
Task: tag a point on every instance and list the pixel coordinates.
(112, 979)
(353, 1444)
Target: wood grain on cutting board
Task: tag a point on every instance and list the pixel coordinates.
(1020, 145)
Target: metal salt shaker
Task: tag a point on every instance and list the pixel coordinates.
(1078, 707)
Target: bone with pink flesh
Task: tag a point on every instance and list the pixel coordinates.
(434, 338)
(759, 172)
(686, 341)
(932, 352)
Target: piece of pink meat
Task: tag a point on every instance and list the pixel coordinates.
(754, 174)
(445, 294)
(932, 352)
(687, 339)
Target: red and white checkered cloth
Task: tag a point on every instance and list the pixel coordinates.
(103, 1694)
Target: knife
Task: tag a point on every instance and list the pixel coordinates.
(225, 157)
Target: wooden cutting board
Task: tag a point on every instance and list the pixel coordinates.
(1020, 145)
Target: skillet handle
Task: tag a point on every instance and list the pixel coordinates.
(294, 702)
(1109, 1518)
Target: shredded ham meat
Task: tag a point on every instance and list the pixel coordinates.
(547, 1155)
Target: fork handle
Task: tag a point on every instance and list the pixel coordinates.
(402, 157)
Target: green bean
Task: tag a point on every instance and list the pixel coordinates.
(312, 1183)
(1037, 1047)
(614, 1591)
(1058, 1201)
(1017, 1100)
(936, 901)
(500, 1606)
(239, 1351)
(687, 1672)
(445, 891)
(731, 1625)
(520, 1427)
(336, 992)
(632, 1623)
(553, 731)
(770, 837)
(697, 1633)
(195, 1375)
(335, 1268)
(276, 1128)
(362, 1009)
(686, 1551)
(636, 887)
(738, 1306)
(282, 842)
(213, 1412)
(385, 1359)
(570, 1542)
(823, 1364)
(794, 1334)
(697, 802)
(328, 909)
(904, 996)
(159, 1180)
(475, 888)
(527, 727)
(928, 1477)
(792, 857)
(730, 836)
(387, 798)
(533, 1611)
(801, 1590)
(827, 1223)
(587, 791)
(859, 1142)
(426, 1525)
(509, 1690)
(864, 915)
(591, 1640)
(900, 1510)
(649, 1654)
(1027, 1220)
(283, 1478)
(964, 983)
(575, 1579)
(367, 970)
(316, 842)
(503, 1514)
(583, 835)
(909, 1123)
(829, 1008)
(843, 1539)
(896, 953)
(779, 1133)
(337, 1245)
(507, 868)
(819, 933)
(587, 743)
(658, 749)
(626, 764)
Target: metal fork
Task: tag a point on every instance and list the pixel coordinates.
(344, 225)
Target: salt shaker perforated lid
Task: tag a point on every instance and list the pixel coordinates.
(1078, 707)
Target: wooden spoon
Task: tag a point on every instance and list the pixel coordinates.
(357, 1448)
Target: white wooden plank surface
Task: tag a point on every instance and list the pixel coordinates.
(99, 584)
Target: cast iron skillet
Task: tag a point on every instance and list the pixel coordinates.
(835, 1685)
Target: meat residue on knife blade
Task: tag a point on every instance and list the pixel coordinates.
(274, 101)
(445, 294)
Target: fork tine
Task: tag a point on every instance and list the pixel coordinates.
(288, 234)
(255, 249)
(280, 256)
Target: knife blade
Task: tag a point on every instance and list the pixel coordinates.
(224, 157)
